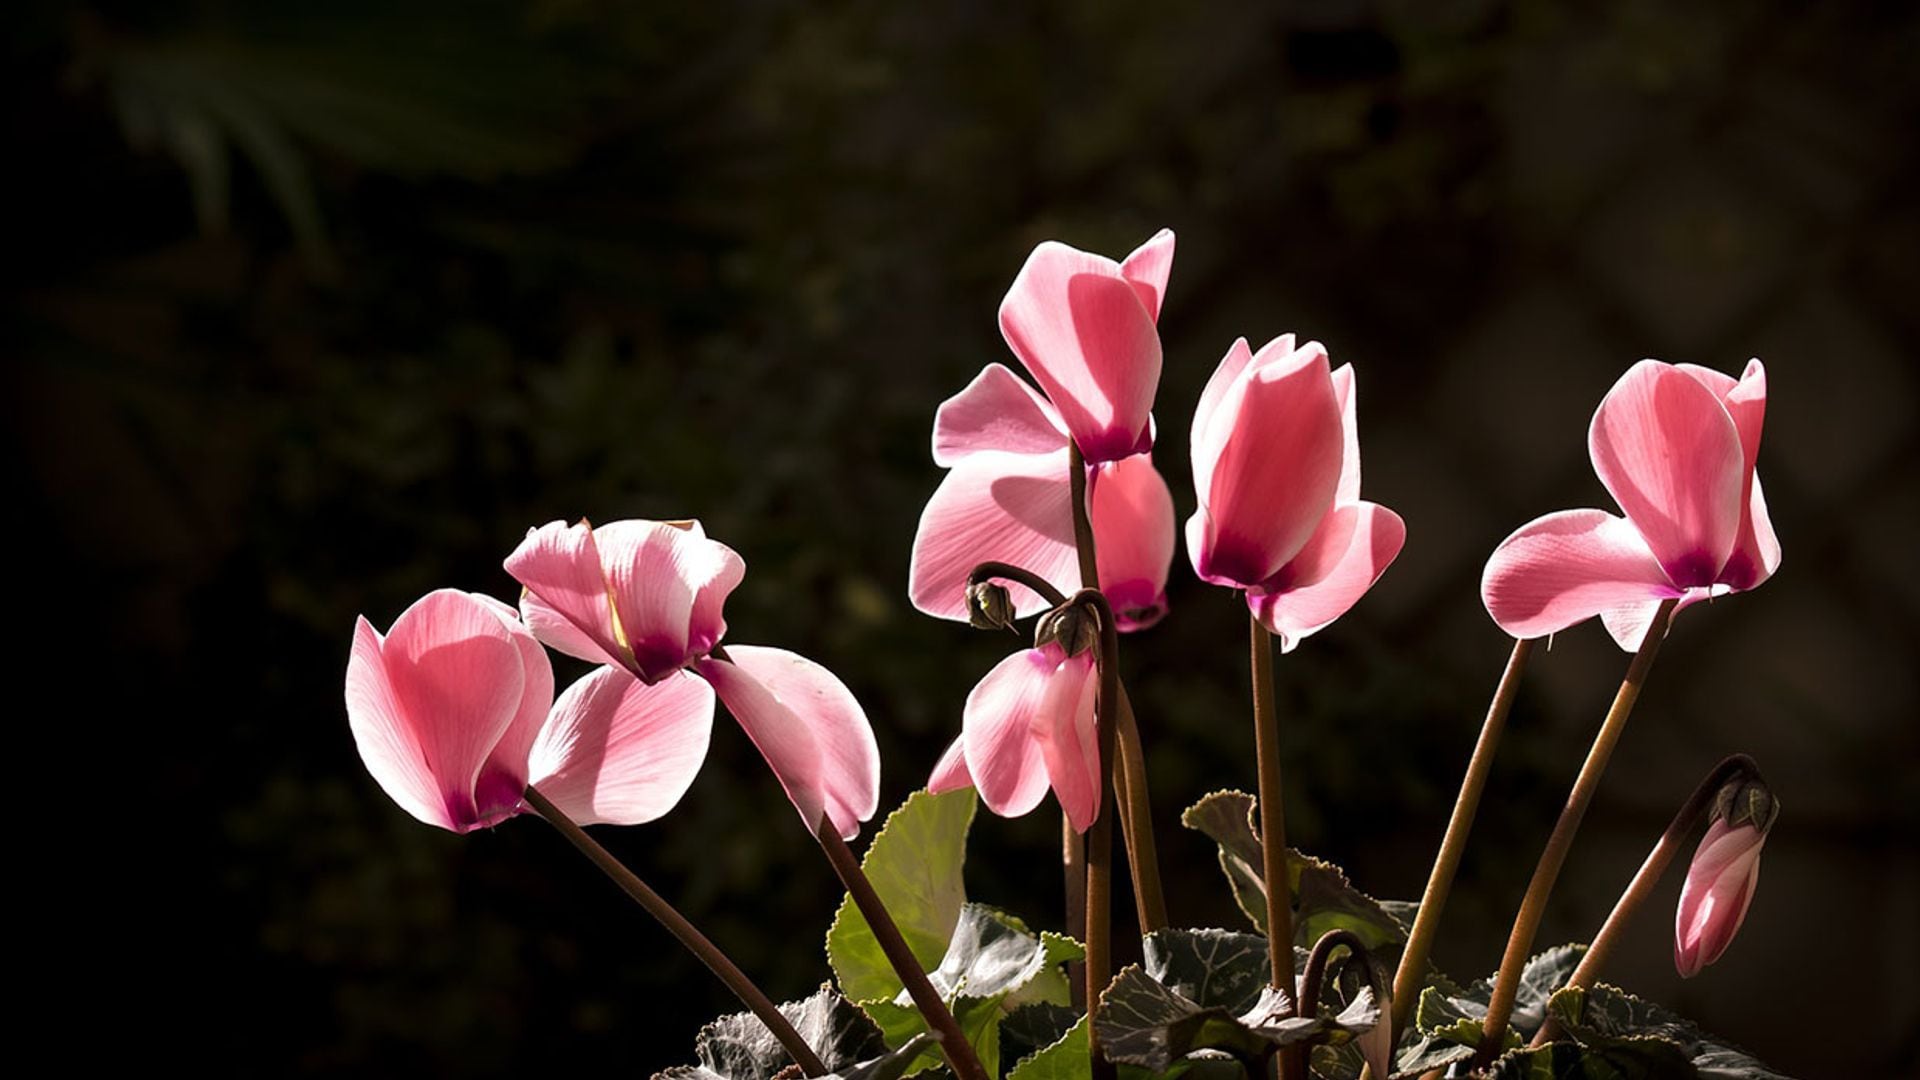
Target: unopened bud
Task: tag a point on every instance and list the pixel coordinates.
(1073, 626)
(1746, 801)
(989, 607)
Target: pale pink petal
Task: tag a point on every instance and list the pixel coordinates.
(458, 680)
(1131, 511)
(1757, 554)
(383, 735)
(1347, 392)
(849, 777)
(950, 772)
(780, 736)
(714, 570)
(1714, 899)
(567, 603)
(997, 411)
(1148, 269)
(1013, 508)
(1003, 757)
(656, 570)
(1745, 400)
(1085, 337)
(505, 773)
(1063, 725)
(1567, 567)
(1267, 466)
(618, 751)
(1351, 551)
(1668, 452)
(1225, 377)
(1628, 624)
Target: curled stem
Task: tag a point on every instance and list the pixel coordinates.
(1019, 575)
(689, 935)
(1317, 966)
(1683, 823)
(1534, 906)
(1413, 959)
(953, 1042)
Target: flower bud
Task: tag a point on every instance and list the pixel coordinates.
(1074, 626)
(989, 607)
(1719, 886)
(1746, 800)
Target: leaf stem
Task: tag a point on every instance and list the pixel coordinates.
(1273, 826)
(953, 1042)
(689, 935)
(1020, 575)
(1534, 906)
(1683, 823)
(1413, 959)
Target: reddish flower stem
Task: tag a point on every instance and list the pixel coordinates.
(1273, 831)
(689, 935)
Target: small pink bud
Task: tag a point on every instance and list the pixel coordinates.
(1714, 900)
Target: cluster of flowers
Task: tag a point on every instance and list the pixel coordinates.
(454, 709)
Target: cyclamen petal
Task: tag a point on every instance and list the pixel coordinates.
(1667, 450)
(567, 601)
(1714, 899)
(619, 751)
(1131, 511)
(1354, 546)
(1079, 325)
(950, 772)
(1064, 726)
(1002, 755)
(996, 411)
(1567, 567)
(1016, 508)
(1148, 268)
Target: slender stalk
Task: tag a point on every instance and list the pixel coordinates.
(1019, 575)
(1143, 855)
(1143, 859)
(953, 1042)
(1534, 906)
(689, 935)
(1273, 828)
(1683, 823)
(1073, 859)
(1413, 959)
(1100, 837)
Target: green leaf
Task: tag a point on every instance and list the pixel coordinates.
(915, 864)
(1144, 1022)
(1323, 899)
(1604, 1017)
(1543, 974)
(739, 1047)
(1063, 1059)
(1028, 1029)
(992, 960)
(1642, 1057)
(1209, 967)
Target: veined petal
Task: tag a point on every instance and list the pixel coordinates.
(1757, 553)
(950, 772)
(457, 681)
(1669, 453)
(1225, 377)
(1148, 269)
(1131, 511)
(848, 774)
(1567, 567)
(568, 601)
(1353, 547)
(1347, 392)
(1013, 508)
(1267, 466)
(384, 737)
(1081, 330)
(780, 736)
(618, 751)
(504, 776)
(997, 411)
(1063, 725)
(1002, 755)
(668, 585)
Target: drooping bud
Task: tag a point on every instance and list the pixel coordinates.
(989, 607)
(1073, 625)
(1746, 800)
(1719, 887)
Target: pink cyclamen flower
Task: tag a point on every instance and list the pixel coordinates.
(1276, 465)
(1675, 445)
(1028, 728)
(647, 596)
(1714, 899)
(454, 715)
(1085, 327)
(1007, 497)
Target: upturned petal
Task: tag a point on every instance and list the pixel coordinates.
(1015, 508)
(1715, 897)
(429, 704)
(783, 699)
(1266, 464)
(504, 776)
(1756, 551)
(950, 772)
(1078, 324)
(1566, 567)
(615, 750)
(996, 411)
(567, 601)
(1668, 451)
(1353, 546)
(1131, 511)
(1148, 268)
(1002, 755)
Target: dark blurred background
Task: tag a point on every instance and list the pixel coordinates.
(311, 308)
